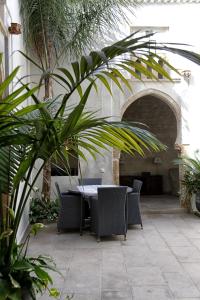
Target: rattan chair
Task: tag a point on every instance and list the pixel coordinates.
(133, 204)
(70, 210)
(108, 212)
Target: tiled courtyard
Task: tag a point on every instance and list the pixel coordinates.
(160, 262)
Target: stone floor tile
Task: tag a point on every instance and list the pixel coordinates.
(195, 242)
(181, 285)
(176, 239)
(156, 243)
(83, 279)
(190, 233)
(193, 270)
(116, 295)
(139, 276)
(167, 262)
(76, 296)
(114, 281)
(152, 293)
(187, 298)
(186, 254)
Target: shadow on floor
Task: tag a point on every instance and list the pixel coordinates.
(164, 204)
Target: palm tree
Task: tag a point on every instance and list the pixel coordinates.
(52, 29)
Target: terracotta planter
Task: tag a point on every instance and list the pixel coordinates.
(15, 28)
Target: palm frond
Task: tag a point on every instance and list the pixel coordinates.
(60, 26)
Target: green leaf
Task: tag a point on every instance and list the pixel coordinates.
(68, 75)
(124, 80)
(36, 227)
(22, 265)
(14, 283)
(43, 275)
(31, 60)
(6, 233)
(114, 78)
(53, 292)
(4, 85)
(28, 109)
(75, 66)
(105, 82)
(11, 213)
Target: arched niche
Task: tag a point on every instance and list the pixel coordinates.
(171, 105)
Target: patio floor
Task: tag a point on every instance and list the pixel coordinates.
(160, 262)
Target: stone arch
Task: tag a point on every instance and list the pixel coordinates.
(165, 98)
(173, 105)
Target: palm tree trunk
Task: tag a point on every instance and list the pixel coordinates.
(46, 185)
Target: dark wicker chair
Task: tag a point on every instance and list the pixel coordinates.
(137, 185)
(133, 204)
(108, 212)
(90, 181)
(70, 210)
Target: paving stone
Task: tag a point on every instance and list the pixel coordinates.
(139, 276)
(83, 279)
(115, 281)
(176, 239)
(181, 285)
(152, 293)
(193, 270)
(186, 254)
(115, 295)
(76, 296)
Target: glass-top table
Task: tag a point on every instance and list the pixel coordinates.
(92, 190)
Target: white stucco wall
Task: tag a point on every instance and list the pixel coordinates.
(9, 12)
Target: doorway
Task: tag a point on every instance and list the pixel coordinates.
(158, 172)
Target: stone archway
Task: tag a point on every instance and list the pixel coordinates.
(170, 104)
(165, 98)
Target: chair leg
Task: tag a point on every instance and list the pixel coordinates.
(141, 226)
(81, 220)
(125, 237)
(98, 239)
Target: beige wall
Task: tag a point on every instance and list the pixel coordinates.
(161, 121)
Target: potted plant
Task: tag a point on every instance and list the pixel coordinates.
(191, 181)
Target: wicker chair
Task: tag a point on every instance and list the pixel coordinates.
(133, 204)
(70, 210)
(108, 212)
(90, 181)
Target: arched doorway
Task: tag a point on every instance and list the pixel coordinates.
(157, 170)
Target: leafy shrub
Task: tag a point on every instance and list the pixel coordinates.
(43, 210)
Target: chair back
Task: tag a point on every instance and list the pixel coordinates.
(90, 181)
(58, 190)
(137, 185)
(112, 209)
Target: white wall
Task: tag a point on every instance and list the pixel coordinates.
(9, 12)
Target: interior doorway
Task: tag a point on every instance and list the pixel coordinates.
(158, 172)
